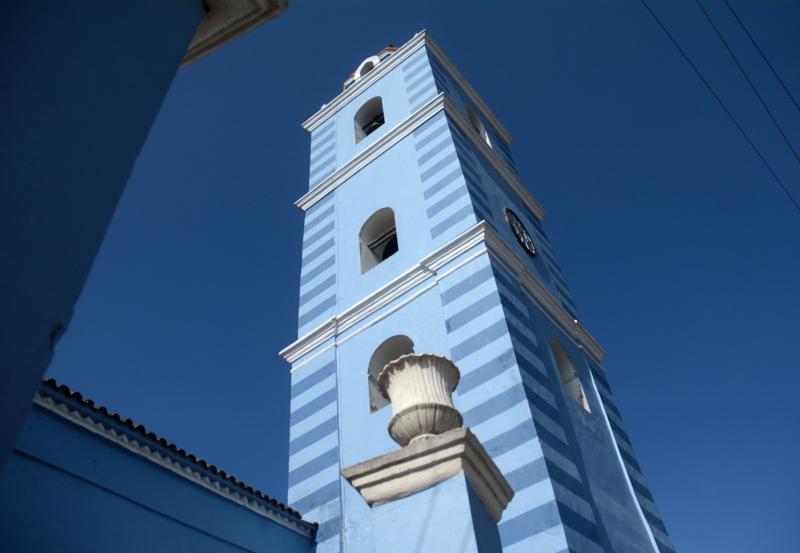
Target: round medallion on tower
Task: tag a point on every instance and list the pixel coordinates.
(520, 232)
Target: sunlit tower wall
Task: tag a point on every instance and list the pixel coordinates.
(420, 236)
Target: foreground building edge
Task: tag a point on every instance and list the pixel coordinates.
(59, 201)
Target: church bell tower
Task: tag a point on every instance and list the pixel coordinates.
(421, 239)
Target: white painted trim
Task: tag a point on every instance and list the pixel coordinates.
(371, 152)
(425, 269)
(389, 312)
(419, 40)
(476, 100)
(499, 248)
(622, 466)
(396, 288)
(401, 54)
(184, 470)
(440, 103)
(375, 60)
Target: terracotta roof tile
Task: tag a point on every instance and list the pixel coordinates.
(52, 385)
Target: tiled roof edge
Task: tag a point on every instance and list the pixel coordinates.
(60, 394)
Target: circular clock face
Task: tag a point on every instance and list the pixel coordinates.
(519, 230)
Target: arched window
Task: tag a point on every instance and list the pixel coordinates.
(377, 239)
(388, 351)
(477, 124)
(366, 66)
(368, 118)
(569, 375)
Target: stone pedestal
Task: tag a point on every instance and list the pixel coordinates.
(441, 491)
(427, 462)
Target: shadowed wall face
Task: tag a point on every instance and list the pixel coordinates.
(66, 487)
(82, 85)
(447, 517)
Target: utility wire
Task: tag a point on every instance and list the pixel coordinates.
(763, 55)
(721, 104)
(747, 78)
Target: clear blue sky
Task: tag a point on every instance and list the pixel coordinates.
(682, 253)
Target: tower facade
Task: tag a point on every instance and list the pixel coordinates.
(420, 237)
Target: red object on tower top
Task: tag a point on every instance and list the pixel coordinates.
(368, 64)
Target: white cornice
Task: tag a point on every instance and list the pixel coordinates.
(468, 90)
(425, 269)
(359, 86)
(422, 271)
(371, 152)
(440, 103)
(152, 454)
(500, 249)
(419, 40)
(497, 163)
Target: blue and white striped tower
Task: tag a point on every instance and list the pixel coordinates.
(421, 236)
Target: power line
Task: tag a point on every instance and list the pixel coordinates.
(721, 104)
(747, 78)
(763, 56)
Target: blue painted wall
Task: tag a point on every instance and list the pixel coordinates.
(68, 489)
(448, 84)
(82, 84)
(578, 486)
(402, 92)
(446, 517)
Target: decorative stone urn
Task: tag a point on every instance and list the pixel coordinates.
(420, 387)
